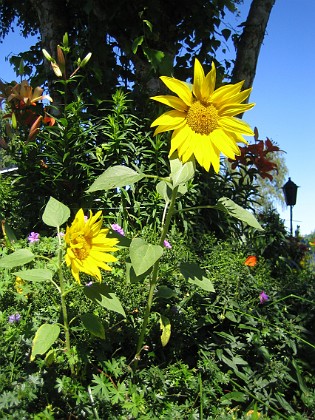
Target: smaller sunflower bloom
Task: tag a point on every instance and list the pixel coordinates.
(88, 246)
(251, 261)
(263, 297)
(203, 118)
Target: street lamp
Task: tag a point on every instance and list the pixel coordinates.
(290, 192)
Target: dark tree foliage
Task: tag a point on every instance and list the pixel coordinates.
(132, 42)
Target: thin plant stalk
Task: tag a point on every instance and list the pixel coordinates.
(63, 305)
(153, 281)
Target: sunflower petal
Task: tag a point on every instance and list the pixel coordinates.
(171, 101)
(180, 88)
(235, 125)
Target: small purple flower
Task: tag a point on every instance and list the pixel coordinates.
(263, 298)
(118, 229)
(86, 218)
(14, 318)
(89, 283)
(60, 234)
(167, 244)
(33, 237)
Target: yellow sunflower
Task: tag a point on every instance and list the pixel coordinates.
(88, 246)
(203, 119)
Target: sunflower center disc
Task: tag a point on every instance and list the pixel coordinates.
(202, 119)
(82, 252)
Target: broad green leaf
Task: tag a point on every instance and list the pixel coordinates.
(55, 213)
(36, 274)
(165, 190)
(115, 177)
(143, 255)
(19, 257)
(165, 292)
(102, 294)
(233, 209)
(181, 173)
(93, 324)
(165, 326)
(131, 276)
(195, 275)
(44, 338)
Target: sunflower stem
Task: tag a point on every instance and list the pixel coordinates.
(64, 309)
(153, 281)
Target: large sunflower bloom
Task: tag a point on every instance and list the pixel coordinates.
(88, 246)
(203, 119)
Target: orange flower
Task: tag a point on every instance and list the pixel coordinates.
(251, 261)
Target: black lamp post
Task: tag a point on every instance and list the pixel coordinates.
(290, 192)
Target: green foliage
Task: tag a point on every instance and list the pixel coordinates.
(226, 354)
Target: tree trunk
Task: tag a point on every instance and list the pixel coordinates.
(248, 46)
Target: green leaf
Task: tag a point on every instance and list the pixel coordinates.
(115, 177)
(93, 324)
(102, 294)
(143, 255)
(56, 213)
(123, 240)
(181, 173)
(36, 274)
(44, 338)
(233, 209)
(195, 275)
(165, 292)
(138, 41)
(131, 276)
(149, 24)
(234, 395)
(155, 57)
(165, 190)
(19, 257)
(165, 326)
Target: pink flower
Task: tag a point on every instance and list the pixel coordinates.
(263, 298)
(118, 229)
(33, 237)
(167, 244)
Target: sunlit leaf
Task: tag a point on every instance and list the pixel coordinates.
(233, 209)
(17, 258)
(165, 326)
(55, 213)
(44, 338)
(115, 177)
(143, 255)
(36, 274)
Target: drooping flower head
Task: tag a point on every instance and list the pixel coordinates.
(263, 298)
(88, 246)
(203, 119)
(33, 237)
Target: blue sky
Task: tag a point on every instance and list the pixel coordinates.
(284, 92)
